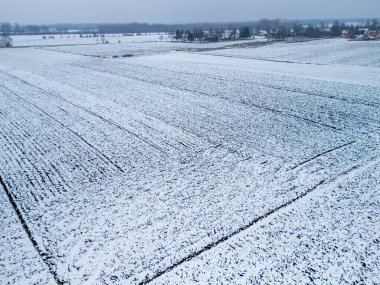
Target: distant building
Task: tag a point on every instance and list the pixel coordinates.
(261, 33)
(212, 39)
(368, 36)
(347, 34)
(373, 35)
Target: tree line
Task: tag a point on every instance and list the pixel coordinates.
(212, 35)
(276, 28)
(17, 29)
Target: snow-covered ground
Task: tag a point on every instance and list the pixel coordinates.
(337, 243)
(329, 51)
(74, 39)
(118, 45)
(145, 48)
(185, 167)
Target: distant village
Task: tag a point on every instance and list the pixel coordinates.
(274, 30)
(271, 30)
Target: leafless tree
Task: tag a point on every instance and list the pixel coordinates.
(5, 41)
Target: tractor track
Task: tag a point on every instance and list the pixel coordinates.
(266, 85)
(109, 121)
(45, 256)
(214, 244)
(251, 104)
(101, 155)
(322, 154)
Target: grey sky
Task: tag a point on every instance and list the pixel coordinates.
(180, 11)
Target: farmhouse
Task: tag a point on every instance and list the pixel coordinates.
(346, 34)
(373, 35)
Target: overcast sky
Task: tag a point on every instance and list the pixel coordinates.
(179, 11)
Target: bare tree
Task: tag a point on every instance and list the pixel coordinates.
(5, 28)
(5, 41)
(103, 39)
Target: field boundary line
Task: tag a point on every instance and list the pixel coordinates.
(264, 59)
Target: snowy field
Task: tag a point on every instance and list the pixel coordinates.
(74, 39)
(146, 48)
(331, 51)
(221, 167)
(119, 45)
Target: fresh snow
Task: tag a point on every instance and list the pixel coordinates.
(146, 48)
(189, 167)
(330, 51)
(336, 244)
